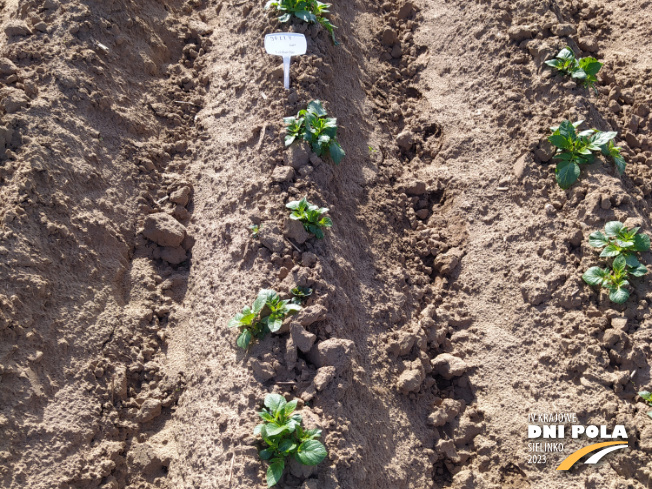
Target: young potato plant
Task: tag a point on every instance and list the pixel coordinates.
(579, 148)
(614, 280)
(284, 437)
(279, 309)
(619, 240)
(300, 294)
(253, 324)
(621, 244)
(583, 70)
(310, 11)
(311, 216)
(647, 397)
(313, 126)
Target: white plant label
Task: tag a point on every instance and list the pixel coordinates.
(286, 44)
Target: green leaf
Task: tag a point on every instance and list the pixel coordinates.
(565, 156)
(275, 472)
(641, 242)
(244, 339)
(266, 454)
(274, 429)
(291, 308)
(312, 434)
(595, 275)
(566, 54)
(235, 321)
(631, 260)
(555, 63)
(567, 129)
(638, 271)
(249, 318)
(260, 301)
(336, 152)
(275, 324)
(266, 416)
(284, 18)
(619, 263)
(319, 234)
(592, 147)
(287, 446)
(590, 65)
(646, 395)
(306, 16)
(612, 228)
(323, 141)
(602, 138)
(275, 402)
(315, 107)
(649, 413)
(598, 240)
(269, 295)
(610, 251)
(311, 452)
(326, 222)
(330, 28)
(560, 141)
(292, 425)
(290, 407)
(620, 163)
(301, 291)
(619, 295)
(578, 74)
(261, 329)
(630, 233)
(293, 205)
(624, 244)
(567, 173)
(586, 159)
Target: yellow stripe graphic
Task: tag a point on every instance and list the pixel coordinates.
(575, 456)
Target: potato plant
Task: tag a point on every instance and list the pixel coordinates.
(299, 294)
(618, 240)
(319, 131)
(253, 324)
(647, 397)
(583, 70)
(310, 11)
(580, 148)
(621, 244)
(284, 437)
(311, 216)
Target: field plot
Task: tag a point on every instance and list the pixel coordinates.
(161, 275)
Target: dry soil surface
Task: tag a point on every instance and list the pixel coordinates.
(139, 141)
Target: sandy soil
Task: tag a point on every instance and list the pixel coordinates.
(141, 139)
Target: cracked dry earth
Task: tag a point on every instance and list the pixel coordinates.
(141, 139)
